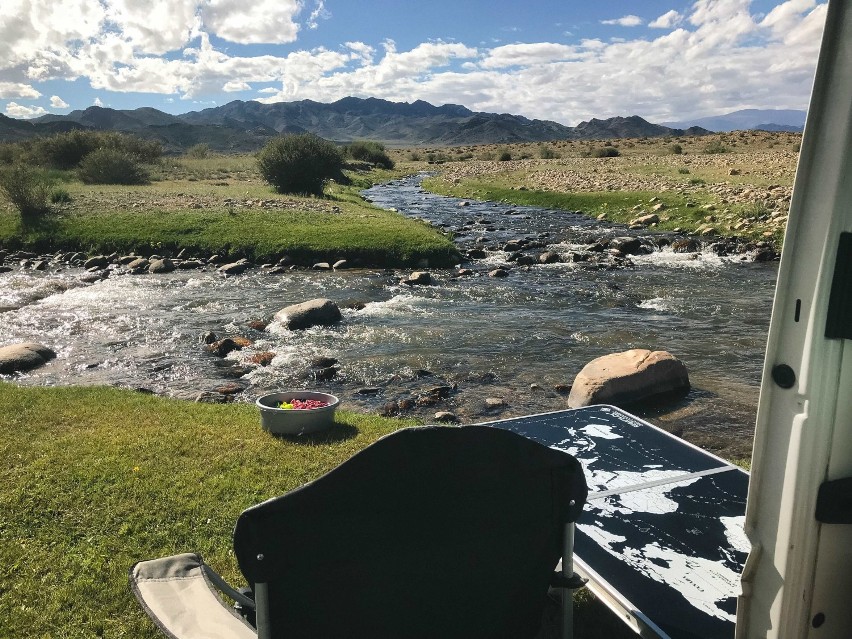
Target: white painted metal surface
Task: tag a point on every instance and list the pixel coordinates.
(797, 581)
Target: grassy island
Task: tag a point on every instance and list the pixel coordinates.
(220, 205)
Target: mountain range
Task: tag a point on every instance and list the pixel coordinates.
(246, 126)
(762, 119)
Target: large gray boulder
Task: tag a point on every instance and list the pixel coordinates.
(631, 376)
(318, 312)
(23, 357)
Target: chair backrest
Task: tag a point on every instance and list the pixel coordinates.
(435, 532)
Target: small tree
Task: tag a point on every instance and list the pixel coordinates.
(299, 163)
(369, 151)
(606, 152)
(27, 189)
(112, 166)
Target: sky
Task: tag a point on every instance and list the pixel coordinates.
(561, 60)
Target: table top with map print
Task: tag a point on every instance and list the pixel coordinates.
(661, 537)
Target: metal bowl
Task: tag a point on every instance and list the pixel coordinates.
(281, 421)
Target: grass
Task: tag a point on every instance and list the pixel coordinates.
(219, 205)
(618, 206)
(95, 479)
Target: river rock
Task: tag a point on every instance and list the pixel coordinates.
(498, 272)
(234, 268)
(340, 265)
(163, 265)
(24, 357)
(445, 416)
(99, 261)
(627, 245)
(318, 312)
(138, 263)
(645, 220)
(321, 266)
(323, 361)
(631, 376)
(417, 278)
(549, 257)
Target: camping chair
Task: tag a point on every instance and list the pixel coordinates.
(432, 532)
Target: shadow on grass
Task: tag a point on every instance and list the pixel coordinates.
(337, 433)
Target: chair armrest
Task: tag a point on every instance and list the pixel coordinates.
(177, 593)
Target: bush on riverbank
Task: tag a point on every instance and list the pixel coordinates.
(369, 151)
(27, 189)
(112, 166)
(300, 163)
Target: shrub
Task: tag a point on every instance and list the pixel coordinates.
(676, 149)
(504, 156)
(369, 151)
(715, 147)
(198, 151)
(414, 156)
(606, 152)
(683, 170)
(27, 189)
(60, 195)
(67, 150)
(299, 163)
(547, 153)
(112, 166)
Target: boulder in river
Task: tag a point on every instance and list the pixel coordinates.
(318, 312)
(631, 376)
(627, 245)
(23, 357)
(234, 268)
(417, 278)
(163, 265)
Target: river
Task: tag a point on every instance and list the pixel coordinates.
(516, 338)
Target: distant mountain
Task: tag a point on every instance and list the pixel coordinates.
(763, 119)
(631, 127)
(246, 126)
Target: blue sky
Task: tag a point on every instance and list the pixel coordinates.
(566, 61)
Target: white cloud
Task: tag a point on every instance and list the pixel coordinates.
(17, 90)
(97, 102)
(626, 21)
(667, 20)
(235, 85)
(15, 110)
(511, 55)
(58, 103)
(319, 12)
(258, 21)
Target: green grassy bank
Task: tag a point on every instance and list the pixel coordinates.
(219, 205)
(679, 211)
(94, 479)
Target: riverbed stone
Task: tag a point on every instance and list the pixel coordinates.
(417, 278)
(233, 268)
(138, 263)
(99, 261)
(627, 377)
(498, 272)
(549, 257)
(627, 245)
(162, 265)
(23, 357)
(316, 312)
(445, 417)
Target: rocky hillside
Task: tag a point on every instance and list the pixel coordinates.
(245, 126)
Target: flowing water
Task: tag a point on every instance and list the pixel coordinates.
(517, 337)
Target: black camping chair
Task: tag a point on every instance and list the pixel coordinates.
(433, 532)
